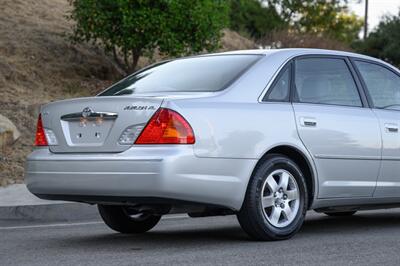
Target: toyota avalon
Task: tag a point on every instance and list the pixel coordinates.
(261, 134)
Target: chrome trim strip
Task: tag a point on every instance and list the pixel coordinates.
(349, 157)
(80, 159)
(346, 157)
(77, 116)
(390, 158)
(91, 173)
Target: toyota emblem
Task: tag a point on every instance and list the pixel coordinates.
(87, 111)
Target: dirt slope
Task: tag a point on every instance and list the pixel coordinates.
(38, 64)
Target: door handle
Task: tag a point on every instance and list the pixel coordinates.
(308, 121)
(391, 128)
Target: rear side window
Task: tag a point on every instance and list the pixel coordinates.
(325, 81)
(383, 85)
(279, 92)
(195, 74)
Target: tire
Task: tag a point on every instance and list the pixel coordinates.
(259, 222)
(118, 219)
(337, 214)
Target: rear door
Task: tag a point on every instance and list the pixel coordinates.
(342, 136)
(383, 87)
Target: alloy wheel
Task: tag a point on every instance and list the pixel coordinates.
(280, 199)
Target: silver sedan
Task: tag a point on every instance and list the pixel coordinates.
(263, 134)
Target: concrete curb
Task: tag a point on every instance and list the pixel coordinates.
(18, 204)
(59, 212)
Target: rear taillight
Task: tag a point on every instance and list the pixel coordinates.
(166, 127)
(40, 138)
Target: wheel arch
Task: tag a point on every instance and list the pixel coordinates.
(303, 161)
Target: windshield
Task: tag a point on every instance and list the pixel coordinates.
(194, 74)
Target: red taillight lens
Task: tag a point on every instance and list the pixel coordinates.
(40, 139)
(166, 127)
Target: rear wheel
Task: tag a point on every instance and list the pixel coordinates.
(126, 221)
(344, 213)
(276, 200)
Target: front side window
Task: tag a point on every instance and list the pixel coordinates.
(382, 84)
(325, 81)
(193, 74)
(279, 91)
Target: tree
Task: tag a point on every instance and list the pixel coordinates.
(253, 18)
(329, 18)
(135, 27)
(384, 41)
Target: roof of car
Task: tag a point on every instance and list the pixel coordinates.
(290, 52)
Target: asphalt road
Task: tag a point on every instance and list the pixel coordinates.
(368, 238)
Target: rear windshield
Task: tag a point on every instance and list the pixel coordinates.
(207, 73)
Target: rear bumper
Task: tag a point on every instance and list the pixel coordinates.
(162, 172)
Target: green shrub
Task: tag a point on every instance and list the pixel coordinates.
(251, 17)
(134, 27)
(331, 19)
(324, 19)
(384, 41)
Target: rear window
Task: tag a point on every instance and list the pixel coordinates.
(195, 74)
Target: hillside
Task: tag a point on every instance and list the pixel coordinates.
(38, 64)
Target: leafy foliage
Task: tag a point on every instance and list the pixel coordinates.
(253, 18)
(322, 18)
(135, 27)
(329, 18)
(384, 41)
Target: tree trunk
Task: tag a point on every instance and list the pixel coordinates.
(128, 67)
(135, 59)
(121, 67)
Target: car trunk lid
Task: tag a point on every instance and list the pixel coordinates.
(96, 124)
